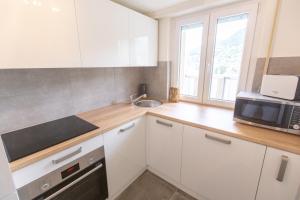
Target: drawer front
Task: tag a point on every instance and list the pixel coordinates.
(36, 170)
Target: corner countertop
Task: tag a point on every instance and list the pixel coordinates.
(214, 119)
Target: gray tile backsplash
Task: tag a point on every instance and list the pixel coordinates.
(277, 65)
(158, 80)
(33, 96)
(259, 70)
(285, 66)
(125, 79)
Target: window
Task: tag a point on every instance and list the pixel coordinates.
(214, 54)
(228, 54)
(190, 59)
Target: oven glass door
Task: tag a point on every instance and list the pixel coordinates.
(89, 184)
(264, 113)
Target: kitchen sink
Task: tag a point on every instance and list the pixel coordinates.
(148, 103)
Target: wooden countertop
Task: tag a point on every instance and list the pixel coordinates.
(221, 121)
(206, 117)
(106, 119)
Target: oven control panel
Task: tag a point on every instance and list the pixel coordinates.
(71, 170)
(47, 182)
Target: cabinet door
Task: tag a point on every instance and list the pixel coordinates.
(125, 152)
(164, 139)
(143, 40)
(218, 167)
(280, 179)
(103, 33)
(6, 183)
(38, 34)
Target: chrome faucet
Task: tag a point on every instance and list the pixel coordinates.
(133, 100)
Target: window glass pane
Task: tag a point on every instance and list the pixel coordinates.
(229, 48)
(191, 41)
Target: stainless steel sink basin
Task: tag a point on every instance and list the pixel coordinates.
(148, 103)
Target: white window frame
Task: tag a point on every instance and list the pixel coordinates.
(203, 19)
(207, 54)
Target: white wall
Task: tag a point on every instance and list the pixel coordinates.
(164, 39)
(287, 37)
(262, 36)
(189, 6)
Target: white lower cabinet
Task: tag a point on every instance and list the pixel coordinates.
(280, 179)
(164, 140)
(125, 153)
(218, 167)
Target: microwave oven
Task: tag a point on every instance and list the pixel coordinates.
(267, 112)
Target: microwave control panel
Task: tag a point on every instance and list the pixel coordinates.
(295, 119)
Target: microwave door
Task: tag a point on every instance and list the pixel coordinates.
(264, 113)
(273, 114)
(281, 115)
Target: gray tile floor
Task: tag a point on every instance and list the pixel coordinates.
(150, 187)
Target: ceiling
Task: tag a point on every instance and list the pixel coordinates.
(148, 6)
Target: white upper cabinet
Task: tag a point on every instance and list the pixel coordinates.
(103, 28)
(38, 34)
(143, 40)
(218, 167)
(74, 33)
(280, 178)
(111, 35)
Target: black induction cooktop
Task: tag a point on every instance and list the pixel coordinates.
(21, 143)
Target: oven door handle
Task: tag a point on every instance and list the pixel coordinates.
(74, 153)
(73, 183)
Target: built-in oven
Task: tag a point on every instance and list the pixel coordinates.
(272, 113)
(81, 179)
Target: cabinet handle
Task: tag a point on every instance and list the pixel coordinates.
(57, 161)
(164, 123)
(127, 128)
(218, 139)
(282, 169)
